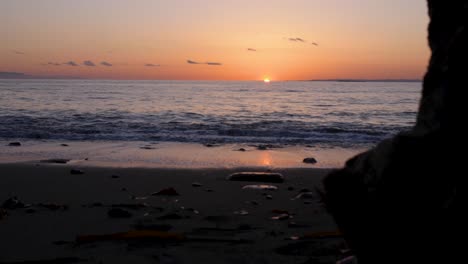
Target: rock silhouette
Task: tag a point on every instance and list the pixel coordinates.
(397, 202)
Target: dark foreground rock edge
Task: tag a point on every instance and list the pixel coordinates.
(397, 203)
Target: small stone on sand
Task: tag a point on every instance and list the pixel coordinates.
(197, 184)
(309, 160)
(57, 161)
(261, 187)
(14, 144)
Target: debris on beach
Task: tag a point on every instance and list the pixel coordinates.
(309, 160)
(13, 203)
(14, 144)
(262, 187)
(168, 191)
(115, 176)
(76, 172)
(241, 149)
(256, 177)
(118, 213)
(269, 197)
(57, 161)
(196, 184)
(64, 145)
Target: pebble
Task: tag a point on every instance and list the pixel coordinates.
(262, 187)
(309, 160)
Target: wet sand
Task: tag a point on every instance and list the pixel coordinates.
(211, 221)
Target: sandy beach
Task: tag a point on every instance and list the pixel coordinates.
(205, 218)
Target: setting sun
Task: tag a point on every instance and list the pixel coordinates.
(266, 80)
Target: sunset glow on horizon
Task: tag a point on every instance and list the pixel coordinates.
(215, 40)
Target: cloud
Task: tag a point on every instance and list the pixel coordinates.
(296, 39)
(105, 63)
(206, 63)
(152, 65)
(18, 52)
(71, 63)
(250, 49)
(54, 63)
(89, 63)
(315, 43)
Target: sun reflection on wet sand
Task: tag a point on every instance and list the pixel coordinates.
(265, 159)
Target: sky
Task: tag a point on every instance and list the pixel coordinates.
(215, 39)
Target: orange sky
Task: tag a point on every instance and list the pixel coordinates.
(371, 39)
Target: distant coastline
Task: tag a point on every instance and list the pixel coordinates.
(21, 75)
(363, 80)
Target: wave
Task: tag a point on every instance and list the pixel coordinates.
(189, 127)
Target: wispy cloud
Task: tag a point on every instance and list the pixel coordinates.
(296, 39)
(71, 63)
(315, 43)
(206, 63)
(152, 65)
(54, 63)
(18, 52)
(105, 63)
(250, 49)
(89, 63)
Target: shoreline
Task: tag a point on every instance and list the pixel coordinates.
(218, 219)
(172, 155)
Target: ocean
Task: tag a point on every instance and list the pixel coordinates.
(322, 114)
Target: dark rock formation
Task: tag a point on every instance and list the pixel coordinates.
(397, 203)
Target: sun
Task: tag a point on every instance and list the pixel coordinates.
(266, 80)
